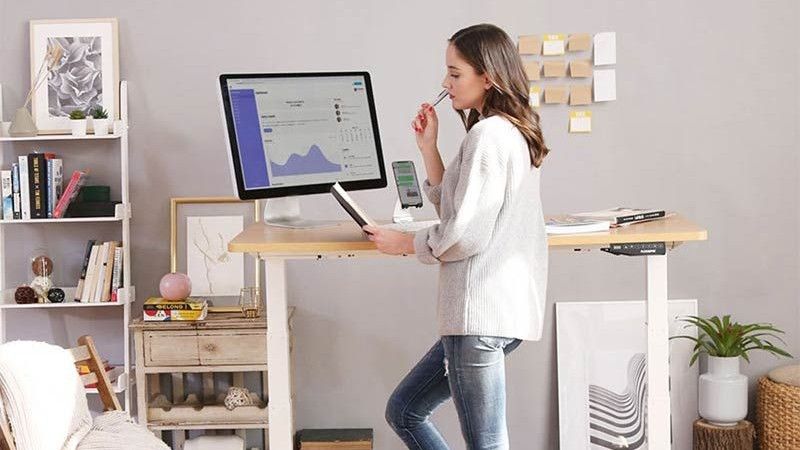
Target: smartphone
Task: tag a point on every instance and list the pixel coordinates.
(405, 177)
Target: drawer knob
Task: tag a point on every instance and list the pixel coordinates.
(210, 347)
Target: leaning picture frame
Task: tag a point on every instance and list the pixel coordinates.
(200, 229)
(85, 77)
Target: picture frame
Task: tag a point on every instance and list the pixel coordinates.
(200, 229)
(602, 377)
(87, 75)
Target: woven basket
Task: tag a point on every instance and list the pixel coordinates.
(778, 415)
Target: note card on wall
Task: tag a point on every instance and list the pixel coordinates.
(553, 44)
(532, 69)
(555, 69)
(605, 48)
(535, 93)
(530, 45)
(579, 42)
(580, 121)
(605, 85)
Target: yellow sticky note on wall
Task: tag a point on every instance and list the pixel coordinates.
(580, 94)
(555, 69)
(580, 68)
(580, 121)
(532, 69)
(530, 45)
(535, 93)
(553, 44)
(555, 94)
(579, 42)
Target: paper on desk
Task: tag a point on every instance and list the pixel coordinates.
(605, 85)
(605, 48)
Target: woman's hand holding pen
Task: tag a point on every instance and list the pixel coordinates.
(426, 128)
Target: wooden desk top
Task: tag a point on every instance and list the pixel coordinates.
(347, 237)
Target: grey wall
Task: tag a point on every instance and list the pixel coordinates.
(705, 124)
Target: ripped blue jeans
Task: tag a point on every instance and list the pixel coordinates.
(471, 370)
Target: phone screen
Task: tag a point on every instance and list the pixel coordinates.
(405, 176)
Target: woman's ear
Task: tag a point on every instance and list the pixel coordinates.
(487, 83)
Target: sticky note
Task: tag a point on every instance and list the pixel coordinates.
(605, 48)
(535, 93)
(581, 68)
(530, 45)
(532, 69)
(579, 42)
(580, 94)
(555, 94)
(553, 44)
(580, 121)
(555, 69)
(605, 85)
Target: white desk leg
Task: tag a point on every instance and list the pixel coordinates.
(658, 407)
(281, 420)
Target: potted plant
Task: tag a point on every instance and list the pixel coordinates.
(723, 389)
(99, 121)
(77, 121)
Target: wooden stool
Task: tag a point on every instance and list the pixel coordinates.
(712, 437)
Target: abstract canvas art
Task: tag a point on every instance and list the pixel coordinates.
(602, 375)
(214, 270)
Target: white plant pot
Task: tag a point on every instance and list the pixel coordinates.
(78, 127)
(100, 127)
(723, 392)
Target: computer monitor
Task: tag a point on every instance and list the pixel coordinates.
(291, 134)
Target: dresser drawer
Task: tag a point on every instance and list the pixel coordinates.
(224, 347)
(171, 348)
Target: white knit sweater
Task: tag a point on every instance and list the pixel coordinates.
(491, 243)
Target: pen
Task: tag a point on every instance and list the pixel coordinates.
(442, 96)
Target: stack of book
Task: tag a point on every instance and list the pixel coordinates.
(335, 439)
(599, 221)
(32, 188)
(101, 274)
(157, 309)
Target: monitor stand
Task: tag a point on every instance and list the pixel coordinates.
(285, 212)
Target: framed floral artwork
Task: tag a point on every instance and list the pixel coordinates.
(200, 229)
(85, 77)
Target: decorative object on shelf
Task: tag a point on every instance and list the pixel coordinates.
(41, 285)
(77, 122)
(42, 268)
(86, 76)
(200, 229)
(712, 437)
(239, 396)
(250, 301)
(23, 125)
(175, 286)
(723, 389)
(99, 121)
(56, 295)
(25, 295)
(602, 365)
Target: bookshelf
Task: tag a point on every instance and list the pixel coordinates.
(122, 376)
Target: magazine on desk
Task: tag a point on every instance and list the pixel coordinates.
(350, 206)
(569, 225)
(621, 216)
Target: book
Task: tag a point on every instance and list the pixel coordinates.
(37, 178)
(571, 225)
(6, 189)
(53, 166)
(109, 268)
(157, 309)
(116, 275)
(87, 254)
(623, 215)
(102, 261)
(91, 271)
(350, 206)
(24, 188)
(77, 180)
(58, 179)
(15, 190)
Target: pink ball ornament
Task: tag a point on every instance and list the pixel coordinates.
(175, 286)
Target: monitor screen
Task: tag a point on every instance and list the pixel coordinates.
(296, 134)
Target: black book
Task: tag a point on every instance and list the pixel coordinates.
(37, 182)
(84, 268)
(350, 206)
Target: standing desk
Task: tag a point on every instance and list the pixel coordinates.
(276, 245)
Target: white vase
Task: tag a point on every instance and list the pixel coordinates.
(723, 392)
(78, 127)
(100, 127)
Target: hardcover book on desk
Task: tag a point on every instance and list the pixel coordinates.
(621, 216)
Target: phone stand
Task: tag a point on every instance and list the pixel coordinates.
(401, 215)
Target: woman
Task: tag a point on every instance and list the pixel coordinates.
(490, 245)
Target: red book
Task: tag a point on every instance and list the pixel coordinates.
(73, 187)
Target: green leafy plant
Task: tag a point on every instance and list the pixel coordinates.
(99, 113)
(77, 114)
(723, 338)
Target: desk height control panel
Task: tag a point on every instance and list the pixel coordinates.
(637, 249)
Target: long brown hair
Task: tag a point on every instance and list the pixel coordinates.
(490, 51)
